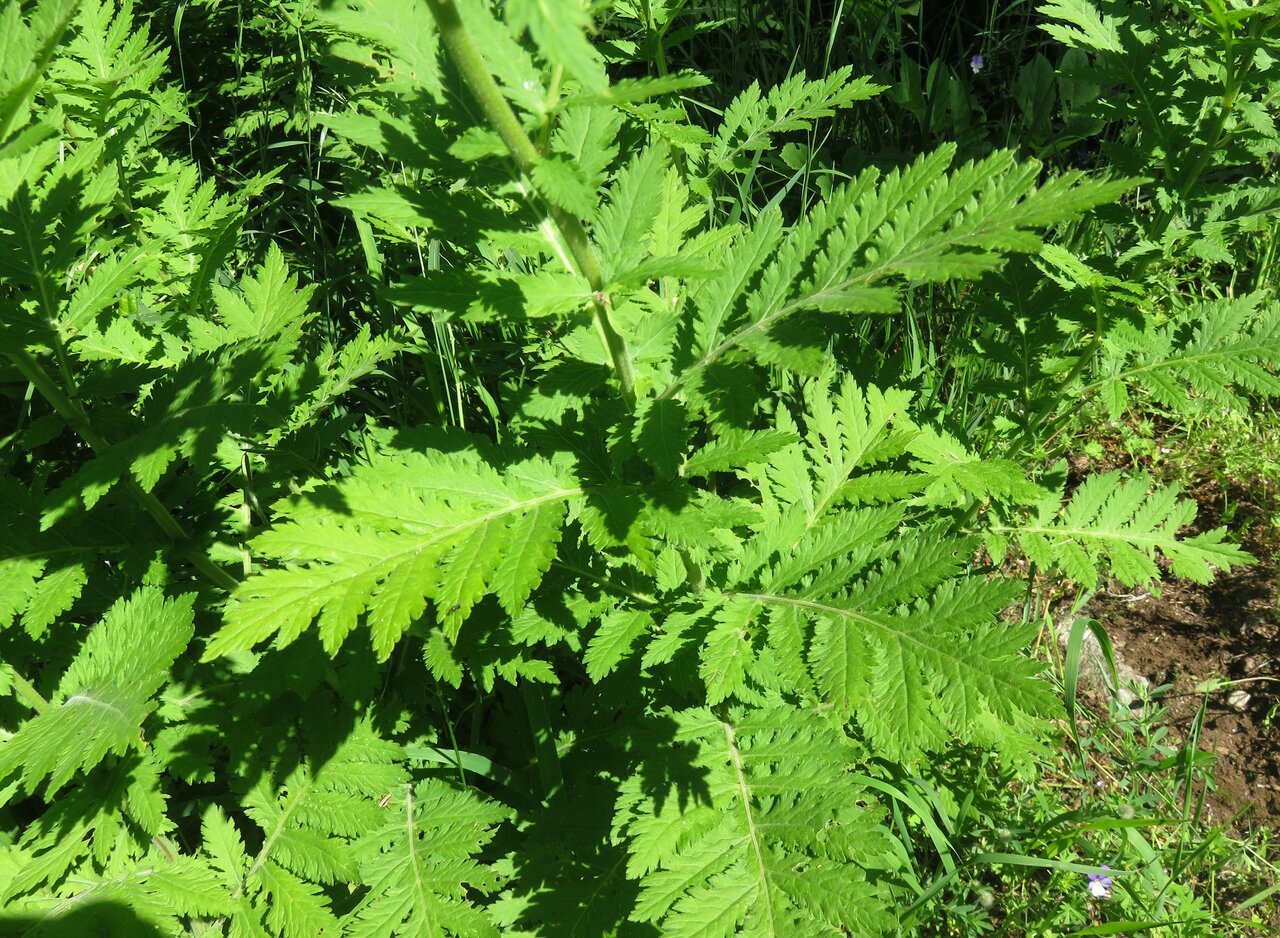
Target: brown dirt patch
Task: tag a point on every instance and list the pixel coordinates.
(1230, 629)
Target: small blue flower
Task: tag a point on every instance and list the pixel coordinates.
(1100, 884)
(976, 63)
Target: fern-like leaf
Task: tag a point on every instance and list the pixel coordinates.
(773, 845)
(1079, 24)
(105, 694)
(752, 119)
(1219, 352)
(836, 602)
(848, 254)
(38, 589)
(1121, 526)
(308, 825)
(911, 648)
(404, 528)
(420, 865)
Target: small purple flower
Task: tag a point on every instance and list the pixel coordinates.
(976, 63)
(1100, 884)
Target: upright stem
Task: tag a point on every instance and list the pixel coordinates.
(1087, 357)
(479, 81)
(70, 411)
(1236, 75)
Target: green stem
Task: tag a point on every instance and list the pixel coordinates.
(479, 81)
(1236, 75)
(1094, 344)
(70, 411)
(1194, 171)
(1086, 358)
(23, 689)
(656, 38)
(553, 99)
(546, 756)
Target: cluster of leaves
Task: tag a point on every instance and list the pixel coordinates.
(1197, 97)
(284, 661)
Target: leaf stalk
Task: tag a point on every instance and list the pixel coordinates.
(476, 76)
(25, 690)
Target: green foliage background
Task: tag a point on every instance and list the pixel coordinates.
(526, 469)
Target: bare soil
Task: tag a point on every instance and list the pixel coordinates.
(1188, 634)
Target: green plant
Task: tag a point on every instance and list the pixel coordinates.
(663, 644)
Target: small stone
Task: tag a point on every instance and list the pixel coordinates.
(1238, 700)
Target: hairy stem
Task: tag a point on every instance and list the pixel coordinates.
(479, 81)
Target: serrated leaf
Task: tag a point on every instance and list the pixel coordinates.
(558, 28)
(778, 802)
(623, 225)
(561, 181)
(414, 526)
(105, 693)
(618, 632)
(726, 655)
(663, 434)
(51, 596)
(1117, 525)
